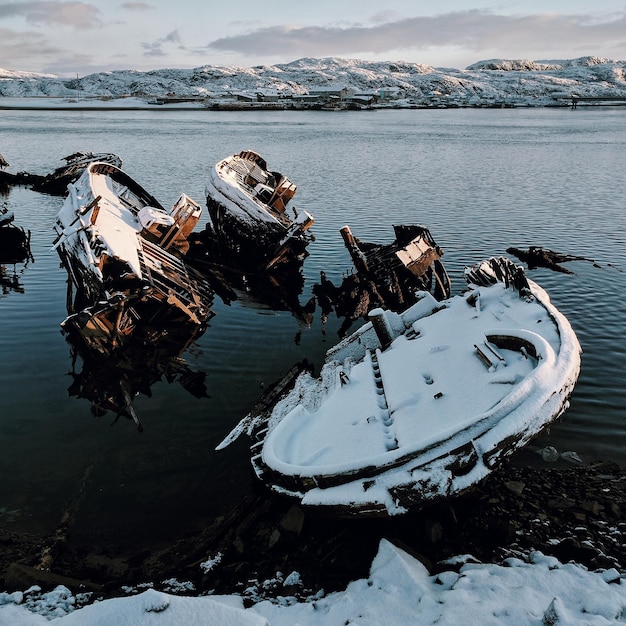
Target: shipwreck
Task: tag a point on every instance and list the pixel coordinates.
(125, 259)
(250, 213)
(385, 275)
(57, 181)
(420, 405)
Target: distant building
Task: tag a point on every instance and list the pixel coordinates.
(325, 94)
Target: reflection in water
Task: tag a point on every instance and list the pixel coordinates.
(14, 249)
(276, 289)
(14, 240)
(386, 275)
(10, 281)
(111, 381)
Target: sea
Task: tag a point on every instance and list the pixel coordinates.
(482, 180)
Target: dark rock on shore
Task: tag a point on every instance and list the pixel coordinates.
(573, 513)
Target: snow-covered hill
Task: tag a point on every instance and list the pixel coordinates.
(515, 81)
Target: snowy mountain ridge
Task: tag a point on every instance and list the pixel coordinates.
(515, 80)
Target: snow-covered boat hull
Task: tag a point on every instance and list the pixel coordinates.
(422, 405)
(124, 255)
(247, 204)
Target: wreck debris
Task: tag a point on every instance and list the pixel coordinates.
(248, 206)
(537, 256)
(387, 275)
(124, 255)
(75, 164)
(419, 406)
(14, 240)
(57, 181)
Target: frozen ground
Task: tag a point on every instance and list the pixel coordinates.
(537, 590)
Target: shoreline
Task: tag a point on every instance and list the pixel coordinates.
(571, 512)
(45, 103)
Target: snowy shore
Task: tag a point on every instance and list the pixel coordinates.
(496, 82)
(399, 590)
(542, 545)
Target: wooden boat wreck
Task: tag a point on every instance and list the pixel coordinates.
(411, 263)
(248, 206)
(421, 405)
(386, 275)
(56, 182)
(124, 254)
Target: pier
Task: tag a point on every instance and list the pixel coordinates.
(598, 100)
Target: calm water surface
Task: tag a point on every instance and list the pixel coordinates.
(481, 180)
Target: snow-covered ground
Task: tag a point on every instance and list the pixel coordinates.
(534, 591)
(516, 82)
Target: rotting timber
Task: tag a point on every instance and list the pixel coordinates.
(411, 263)
(57, 181)
(536, 256)
(125, 259)
(387, 275)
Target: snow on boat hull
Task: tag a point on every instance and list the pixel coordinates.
(124, 255)
(248, 207)
(422, 405)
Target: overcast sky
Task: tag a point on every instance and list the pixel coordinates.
(70, 37)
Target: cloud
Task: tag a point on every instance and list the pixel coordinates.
(17, 46)
(136, 6)
(473, 30)
(22, 47)
(76, 14)
(155, 48)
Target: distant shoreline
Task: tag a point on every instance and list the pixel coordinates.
(39, 103)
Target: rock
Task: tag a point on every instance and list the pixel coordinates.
(571, 550)
(592, 506)
(293, 520)
(549, 454)
(18, 576)
(556, 613)
(515, 486)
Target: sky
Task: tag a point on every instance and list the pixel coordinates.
(69, 37)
